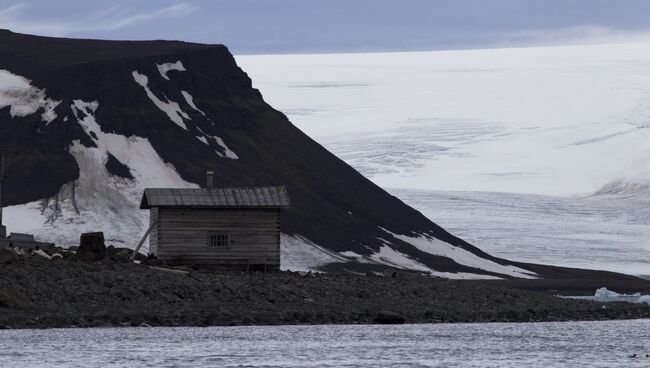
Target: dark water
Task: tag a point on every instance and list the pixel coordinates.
(569, 344)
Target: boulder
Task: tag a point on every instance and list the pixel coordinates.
(42, 254)
(385, 317)
(91, 247)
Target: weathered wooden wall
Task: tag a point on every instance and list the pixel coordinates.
(153, 235)
(182, 236)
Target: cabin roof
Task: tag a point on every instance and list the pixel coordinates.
(244, 197)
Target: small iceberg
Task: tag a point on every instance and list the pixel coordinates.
(605, 295)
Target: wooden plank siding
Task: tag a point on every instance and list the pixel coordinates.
(182, 235)
(153, 235)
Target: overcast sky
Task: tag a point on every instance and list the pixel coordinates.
(300, 26)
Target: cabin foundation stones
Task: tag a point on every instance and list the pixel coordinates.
(221, 228)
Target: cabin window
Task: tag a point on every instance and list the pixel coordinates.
(218, 240)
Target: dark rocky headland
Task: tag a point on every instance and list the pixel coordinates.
(71, 292)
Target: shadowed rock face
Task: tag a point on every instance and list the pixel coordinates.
(224, 125)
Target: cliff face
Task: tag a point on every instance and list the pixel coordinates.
(87, 125)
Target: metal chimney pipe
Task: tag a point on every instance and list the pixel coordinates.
(210, 175)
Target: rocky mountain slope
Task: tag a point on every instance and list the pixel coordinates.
(87, 125)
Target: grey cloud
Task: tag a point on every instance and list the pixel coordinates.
(16, 18)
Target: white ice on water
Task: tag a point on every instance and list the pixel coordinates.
(24, 99)
(605, 295)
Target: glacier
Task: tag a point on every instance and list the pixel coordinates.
(537, 154)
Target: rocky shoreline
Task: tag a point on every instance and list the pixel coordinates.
(37, 293)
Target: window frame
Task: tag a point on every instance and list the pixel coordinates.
(222, 239)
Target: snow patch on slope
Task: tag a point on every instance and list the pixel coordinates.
(167, 67)
(203, 139)
(461, 256)
(97, 200)
(228, 153)
(190, 101)
(23, 98)
(301, 254)
(391, 257)
(394, 258)
(171, 108)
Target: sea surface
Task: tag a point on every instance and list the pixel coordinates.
(558, 344)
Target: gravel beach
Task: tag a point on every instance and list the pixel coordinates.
(37, 293)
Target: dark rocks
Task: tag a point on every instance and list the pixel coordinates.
(7, 256)
(11, 298)
(101, 315)
(91, 247)
(35, 293)
(386, 317)
(247, 321)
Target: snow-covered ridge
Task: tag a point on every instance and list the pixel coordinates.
(24, 99)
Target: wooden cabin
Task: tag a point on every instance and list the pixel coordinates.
(234, 228)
